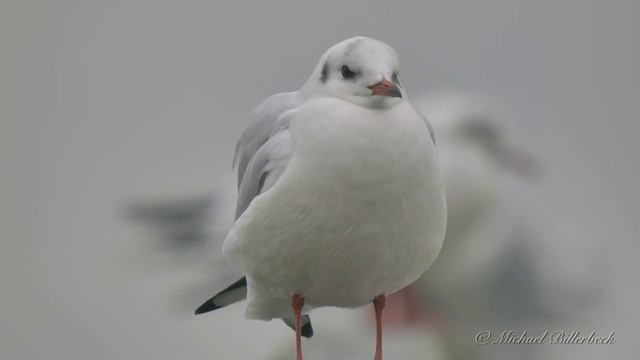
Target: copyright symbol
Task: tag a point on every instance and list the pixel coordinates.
(483, 337)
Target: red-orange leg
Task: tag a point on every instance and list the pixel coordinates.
(378, 305)
(297, 302)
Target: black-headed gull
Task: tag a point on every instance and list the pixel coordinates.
(340, 199)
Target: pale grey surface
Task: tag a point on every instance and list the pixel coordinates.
(104, 100)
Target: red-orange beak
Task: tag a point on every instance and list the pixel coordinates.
(386, 88)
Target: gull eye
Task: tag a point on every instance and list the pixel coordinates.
(394, 78)
(347, 73)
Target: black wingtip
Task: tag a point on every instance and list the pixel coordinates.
(209, 305)
(307, 330)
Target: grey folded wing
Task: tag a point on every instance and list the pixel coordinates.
(264, 149)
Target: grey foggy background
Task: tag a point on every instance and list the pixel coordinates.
(102, 101)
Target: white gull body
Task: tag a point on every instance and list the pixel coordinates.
(349, 201)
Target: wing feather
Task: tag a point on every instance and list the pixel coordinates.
(264, 169)
(264, 149)
(263, 121)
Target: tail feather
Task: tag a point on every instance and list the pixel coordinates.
(238, 292)
(233, 293)
(305, 321)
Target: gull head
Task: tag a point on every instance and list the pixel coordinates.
(478, 155)
(359, 70)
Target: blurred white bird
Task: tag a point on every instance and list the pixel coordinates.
(478, 163)
(507, 261)
(340, 195)
(182, 222)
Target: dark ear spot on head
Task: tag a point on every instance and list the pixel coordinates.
(324, 75)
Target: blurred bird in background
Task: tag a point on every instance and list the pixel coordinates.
(508, 262)
(181, 235)
(180, 223)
